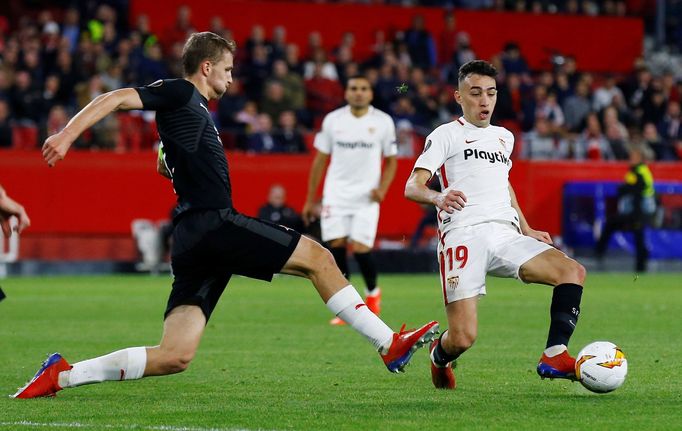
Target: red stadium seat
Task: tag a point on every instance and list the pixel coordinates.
(25, 137)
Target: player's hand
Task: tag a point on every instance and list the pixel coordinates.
(308, 213)
(377, 195)
(450, 201)
(9, 208)
(539, 235)
(56, 146)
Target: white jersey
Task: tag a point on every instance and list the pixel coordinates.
(357, 146)
(474, 160)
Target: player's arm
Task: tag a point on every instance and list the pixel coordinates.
(387, 176)
(316, 171)
(525, 228)
(57, 145)
(8, 208)
(416, 189)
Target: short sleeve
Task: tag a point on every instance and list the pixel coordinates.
(390, 143)
(436, 151)
(323, 138)
(166, 95)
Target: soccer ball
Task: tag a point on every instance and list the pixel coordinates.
(601, 367)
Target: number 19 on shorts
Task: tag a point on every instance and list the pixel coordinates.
(452, 258)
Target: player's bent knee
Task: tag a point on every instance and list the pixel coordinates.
(573, 273)
(177, 362)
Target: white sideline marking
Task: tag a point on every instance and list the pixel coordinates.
(126, 427)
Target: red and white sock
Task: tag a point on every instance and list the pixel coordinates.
(349, 306)
(126, 364)
(552, 351)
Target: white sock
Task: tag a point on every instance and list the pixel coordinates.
(375, 292)
(126, 364)
(554, 350)
(349, 306)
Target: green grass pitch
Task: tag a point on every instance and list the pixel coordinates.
(270, 361)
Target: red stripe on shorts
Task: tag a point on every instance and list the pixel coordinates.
(442, 277)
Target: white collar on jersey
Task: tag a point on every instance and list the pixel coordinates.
(370, 111)
(463, 121)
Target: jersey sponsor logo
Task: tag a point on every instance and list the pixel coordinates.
(504, 144)
(490, 156)
(470, 142)
(355, 145)
(427, 146)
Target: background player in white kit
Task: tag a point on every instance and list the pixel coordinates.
(356, 137)
(482, 229)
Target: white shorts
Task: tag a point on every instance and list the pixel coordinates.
(468, 253)
(359, 224)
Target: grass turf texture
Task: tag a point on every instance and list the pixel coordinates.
(269, 360)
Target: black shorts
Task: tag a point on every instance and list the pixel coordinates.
(211, 245)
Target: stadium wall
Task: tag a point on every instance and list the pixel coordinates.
(599, 44)
(83, 208)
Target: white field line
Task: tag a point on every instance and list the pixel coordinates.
(109, 426)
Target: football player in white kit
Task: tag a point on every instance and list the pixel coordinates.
(356, 138)
(483, 231)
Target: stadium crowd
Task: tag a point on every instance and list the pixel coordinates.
(54, 62)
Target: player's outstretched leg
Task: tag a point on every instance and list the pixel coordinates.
(45, 382)
(316, 263)
(405, 343)
(567, 276)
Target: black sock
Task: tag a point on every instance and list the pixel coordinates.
(564, 313)
(368, 269)
(440, 356)
(341, 259)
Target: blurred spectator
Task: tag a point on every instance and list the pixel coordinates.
(71, 30)
(405, 139)
(232, 102)
(513, 61)
(256, 72)
(183, 26)
(288, 138)
(319, 60)
(420, 44)
(603, 95)
(261, 139)
(670, 133)
(541, 143)
(652, 139)
(292, 82)
(274, 100)
(5, 127)
(577, 106)
(278, 44)
(448, 40)
(277, 211)
(616, 134)
(322, 94)
(25, 99)
(152, 66)
(592, 143)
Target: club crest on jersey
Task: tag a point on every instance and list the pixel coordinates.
(427, 146)
(371, 130)
(453, 282)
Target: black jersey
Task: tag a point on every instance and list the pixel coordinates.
(193, 151)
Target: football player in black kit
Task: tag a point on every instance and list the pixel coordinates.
(211, 241)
